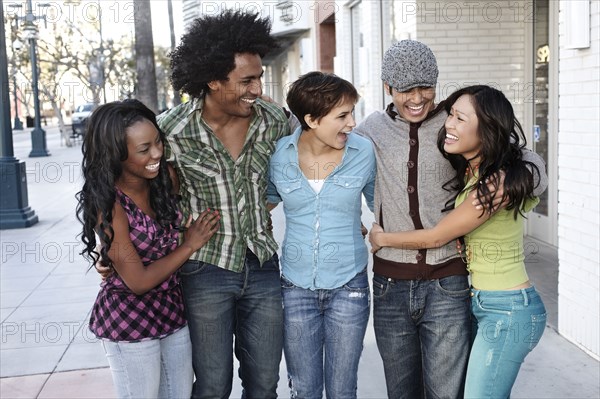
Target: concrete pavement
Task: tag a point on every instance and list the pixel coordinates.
(46, 350)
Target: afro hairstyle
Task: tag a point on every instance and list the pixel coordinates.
(207, 50)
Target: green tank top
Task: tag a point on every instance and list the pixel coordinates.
(494, 250)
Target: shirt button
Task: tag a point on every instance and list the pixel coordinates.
(241, 213)
(410, 164)
(412, 214)
(419, 257)
(346, 184)
(412, 142)
(410, 189)
(239, 190)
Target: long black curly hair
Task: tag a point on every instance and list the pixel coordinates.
(104, 149)
(207, 50)
(502, 142)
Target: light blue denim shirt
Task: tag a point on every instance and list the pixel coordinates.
(323, 246)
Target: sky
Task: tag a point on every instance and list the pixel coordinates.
(117, 20)
(117, 16)
(160, 22)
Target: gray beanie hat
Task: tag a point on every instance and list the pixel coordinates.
(407, 64)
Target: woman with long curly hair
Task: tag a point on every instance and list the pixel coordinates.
(482, 138)
(131, 225)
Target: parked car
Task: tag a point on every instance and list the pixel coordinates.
(80, 118)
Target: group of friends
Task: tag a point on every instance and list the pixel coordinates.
(177, 209)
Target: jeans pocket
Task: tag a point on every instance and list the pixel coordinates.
(493, 306)
(454, 286)
(271, 265)
(286, 284)
(380, 286)
(537, 327)
(358, 283)
(192, 267)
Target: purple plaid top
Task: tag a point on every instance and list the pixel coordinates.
(119, 314)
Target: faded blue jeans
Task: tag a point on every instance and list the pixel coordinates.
(423, 335)
(324, 331)
(507, 326)
(154, 368)
(221, 305)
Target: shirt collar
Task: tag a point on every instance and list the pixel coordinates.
(393, 113)
(197, 104)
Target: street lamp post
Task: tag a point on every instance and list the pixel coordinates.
(17, 124)
(14, 208)
(38, 135)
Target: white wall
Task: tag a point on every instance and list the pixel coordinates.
(578, 184)
(482, 43)
(474, 42)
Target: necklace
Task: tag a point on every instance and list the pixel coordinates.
(470, 170)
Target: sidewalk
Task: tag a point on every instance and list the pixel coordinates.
(46, 350)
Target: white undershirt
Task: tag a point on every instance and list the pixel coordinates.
(316, 185)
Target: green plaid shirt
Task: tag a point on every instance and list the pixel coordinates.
(211, 178)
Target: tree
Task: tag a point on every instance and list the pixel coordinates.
(70, 63)
(144, 55)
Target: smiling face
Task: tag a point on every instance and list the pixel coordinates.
(236, 95)
(414, 104)
(462, 125)
(332, 129)
(144, 152)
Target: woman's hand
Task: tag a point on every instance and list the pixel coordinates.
(198, 232)
(374, 236)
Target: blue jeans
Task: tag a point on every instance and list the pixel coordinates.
(221, 304)
(323, 337)
(507, 326)
(156, 368)
(423, 335)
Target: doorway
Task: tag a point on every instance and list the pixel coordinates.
(542, 221)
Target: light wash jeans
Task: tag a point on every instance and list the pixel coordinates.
(221, 305)
(507, 326)
(323, 337)
(156, 368)
(423, 332)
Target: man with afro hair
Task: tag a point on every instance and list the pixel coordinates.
(220, 144)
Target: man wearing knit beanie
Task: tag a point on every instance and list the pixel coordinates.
(409, 68)
(420, 297)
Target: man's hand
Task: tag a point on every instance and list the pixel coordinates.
(104, 271)
(495, 185)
